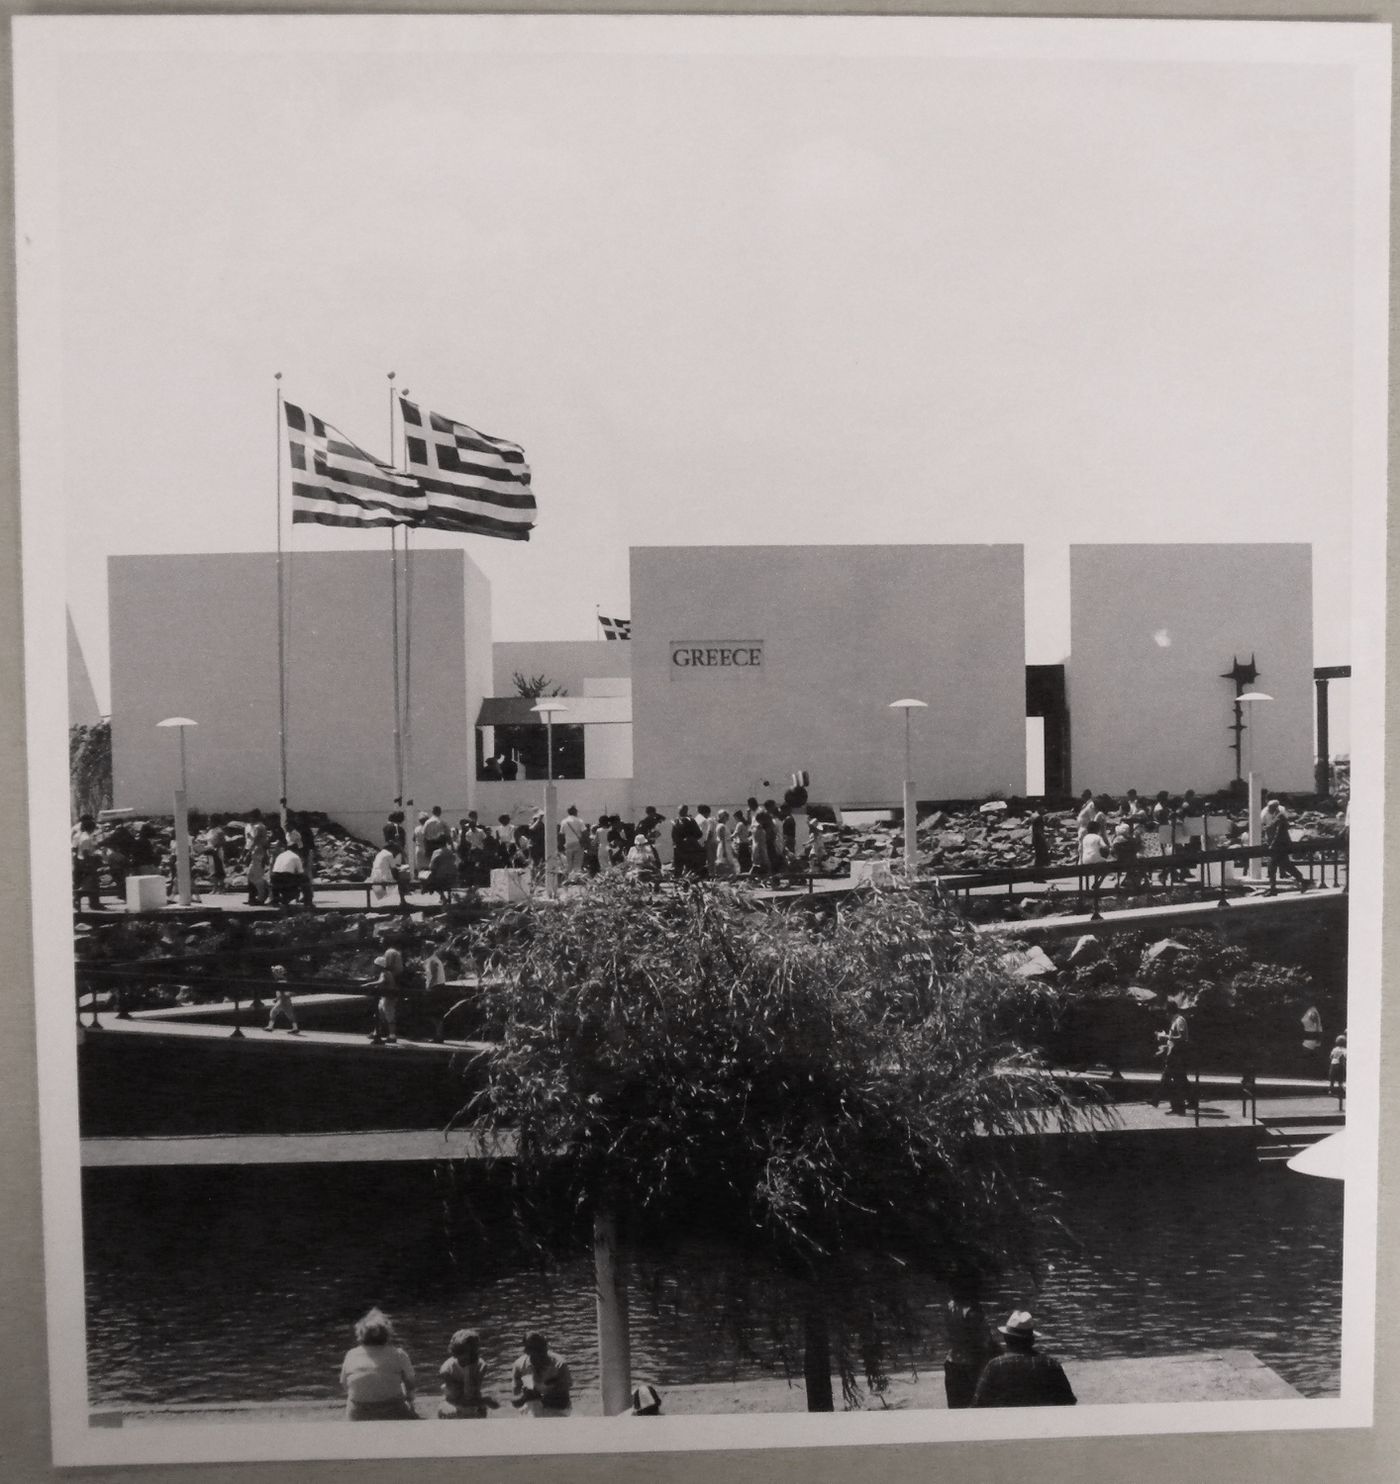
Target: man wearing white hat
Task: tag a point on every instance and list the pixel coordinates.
(1023, 1376)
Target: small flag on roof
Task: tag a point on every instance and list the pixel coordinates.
(615, 628)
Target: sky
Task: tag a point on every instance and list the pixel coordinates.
(722, 293)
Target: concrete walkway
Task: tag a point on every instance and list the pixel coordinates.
(1185, 914)
(1310, 1117)
(280, 1041)
(1208, 1376)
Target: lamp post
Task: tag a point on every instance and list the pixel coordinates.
(911, 811)
(1247, 699)
(183, 892)
(548, 709)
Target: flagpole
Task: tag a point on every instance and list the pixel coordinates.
(281, 612)
(407, 616)
(394, 603)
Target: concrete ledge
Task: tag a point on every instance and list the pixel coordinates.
(1208, 1376)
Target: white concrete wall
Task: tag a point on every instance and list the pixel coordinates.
(843, 631)
(567, 662)
(197, 636)
(1153, 629)
(607, 750)
(480, 677)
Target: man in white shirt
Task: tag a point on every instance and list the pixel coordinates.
(575, 832)
(288, 873)
(87, 865)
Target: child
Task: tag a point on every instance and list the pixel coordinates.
(463, 1373)
(282, 1003)
(1337, 1065)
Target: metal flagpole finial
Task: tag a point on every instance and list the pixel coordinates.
(391, 376)
(277, 376)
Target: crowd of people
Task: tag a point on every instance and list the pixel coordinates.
(764, 840)
(1128, 833)
(760, 840)
(277, 855)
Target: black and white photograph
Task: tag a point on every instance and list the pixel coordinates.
(694, 692)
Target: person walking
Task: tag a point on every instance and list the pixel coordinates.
(377, 1374)
(1164, 826)
(687, 852)
(971, 1343)
(282, 1001)
(258, 846)
(709, 845)
(388, 987)
(1337, 1066)
(87, 881)
(387, 870)
(214, 842)
(435, 832)
(308, 859)
(725, 861)
(575, 832)
(1274, 827)
(1023, 1376)
(597, 858)
(761, 843)
(787, 825)
(1040, 846)
(1088, 811)
(742, 835)
(540, 1383)
(1175, 1051)
(777, 852)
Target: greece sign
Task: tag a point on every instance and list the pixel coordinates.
(715, 656)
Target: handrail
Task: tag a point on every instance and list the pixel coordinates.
(1322, 852)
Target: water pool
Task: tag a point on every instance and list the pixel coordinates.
(241, 1284)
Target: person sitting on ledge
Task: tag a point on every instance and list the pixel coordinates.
(463, 1377)
(377, 1375)
(541, 1385)
(1023, 1376)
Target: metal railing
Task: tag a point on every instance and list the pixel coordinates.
(1318, 856)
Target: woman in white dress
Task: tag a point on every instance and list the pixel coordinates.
(725, 862)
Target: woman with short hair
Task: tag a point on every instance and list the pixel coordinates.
(377, 1374)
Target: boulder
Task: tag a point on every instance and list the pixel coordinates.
(1162, 948)
(1035, 964)
(1086, 950)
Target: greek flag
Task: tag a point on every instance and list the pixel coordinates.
(336, 483)
(471, 481)
(615, 628)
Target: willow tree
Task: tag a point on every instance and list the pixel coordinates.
(828, 1104)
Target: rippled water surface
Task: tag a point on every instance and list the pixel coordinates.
(242, 1284)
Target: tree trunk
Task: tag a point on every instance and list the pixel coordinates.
(816, 1354)
(614, 1339)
